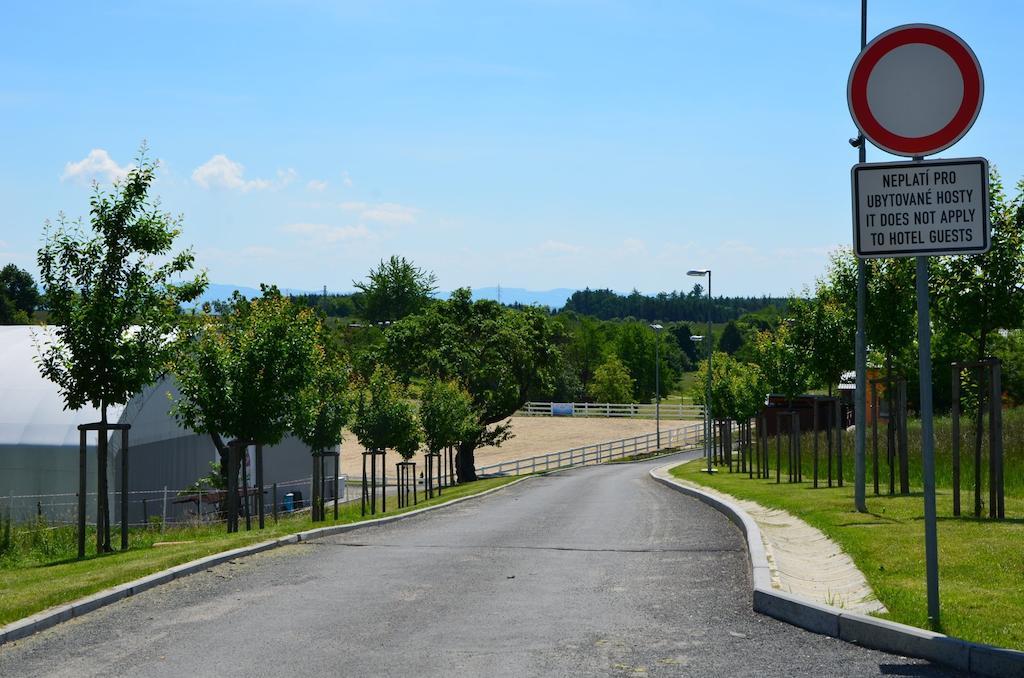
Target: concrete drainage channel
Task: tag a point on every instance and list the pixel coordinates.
(871, 632)
(55, 615)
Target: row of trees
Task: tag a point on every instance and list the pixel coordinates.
(672, 306)
(19, 297)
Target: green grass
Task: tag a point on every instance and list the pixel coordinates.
(980, 561)
(40, 572)
(644, 456)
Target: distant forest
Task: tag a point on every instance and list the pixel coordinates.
(666, 306)
(604, 304)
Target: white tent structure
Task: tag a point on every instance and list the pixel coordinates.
(39, 443)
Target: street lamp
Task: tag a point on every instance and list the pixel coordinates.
(657, 382)
(700, 273)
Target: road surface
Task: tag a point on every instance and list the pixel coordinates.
(595, 571)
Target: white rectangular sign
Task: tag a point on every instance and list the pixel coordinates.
(909, 209)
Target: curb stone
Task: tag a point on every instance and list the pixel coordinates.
(859, 629)
(45, 619)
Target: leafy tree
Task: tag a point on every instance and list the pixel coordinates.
(731, 339)
(112, 303)
(446, 414)
(782, 362)
(612, 383)
(322, 409)
(393, 290)
(499, 355)
(636, 345)
(979, 294)
(19, 296)
(242, 374)
(824, 330)
(384, 418)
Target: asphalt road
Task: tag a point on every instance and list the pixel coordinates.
(596, 571)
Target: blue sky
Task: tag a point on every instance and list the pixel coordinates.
(540, 144)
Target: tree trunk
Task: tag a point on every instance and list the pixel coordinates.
(978, 428)
(102, 504)
(465, 464)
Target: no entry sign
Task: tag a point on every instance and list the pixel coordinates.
(915, 90)
(904, 209)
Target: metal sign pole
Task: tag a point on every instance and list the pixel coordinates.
(924, 342)
(860, 346)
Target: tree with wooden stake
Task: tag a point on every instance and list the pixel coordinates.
(382, 420)
(977, 295)
(113, 300)
(784, 366)
(410, 437)
(322, 410)
(240, 374)
(446, 417)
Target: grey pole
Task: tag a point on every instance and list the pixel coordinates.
(924, 341)
(861, 351)
(707, 393)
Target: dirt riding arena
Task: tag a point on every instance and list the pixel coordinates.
(532, 436)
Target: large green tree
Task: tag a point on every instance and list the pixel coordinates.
(113, 289)
(499, 355)
(241, 373)
(612, 383)
(394, 289)
(19, 296)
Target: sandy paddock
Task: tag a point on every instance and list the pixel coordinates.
(533, 436)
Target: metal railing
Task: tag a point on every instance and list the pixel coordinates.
(685, 437)
(638, 410)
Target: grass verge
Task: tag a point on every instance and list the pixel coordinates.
(38, 578)
(980, 561)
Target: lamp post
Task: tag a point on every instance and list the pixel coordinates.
(700, 273)
(657, 382)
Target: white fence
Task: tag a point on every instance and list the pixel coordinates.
(637, 410)
(686, 437)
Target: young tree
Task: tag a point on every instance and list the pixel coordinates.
(979, 294)
(824, 330)
(499, 355)
(19, 296)
(384, 419)
(240, 374)
(322, 409)
(393, 290)
(446, 414)
(612, 383)
(782, 361)
(113, 302)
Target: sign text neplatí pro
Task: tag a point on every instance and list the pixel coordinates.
(910, 209)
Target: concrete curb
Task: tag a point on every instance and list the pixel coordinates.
(871, 632)
(40, 621)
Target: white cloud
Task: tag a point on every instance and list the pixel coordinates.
(316, 185)
(325, 233)
(221, 171)
(98, 165)
(383, 212)
(558, 247)
(634, 246)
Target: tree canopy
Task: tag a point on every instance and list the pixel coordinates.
(19, 296)
(394, 289)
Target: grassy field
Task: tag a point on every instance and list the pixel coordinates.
(41, 571)
(980, 561)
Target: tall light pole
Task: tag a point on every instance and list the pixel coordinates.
(657, 381)
(700, 273)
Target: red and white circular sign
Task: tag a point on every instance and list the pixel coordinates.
(915, 90)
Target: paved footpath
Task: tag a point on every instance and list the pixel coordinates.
(595, 571)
